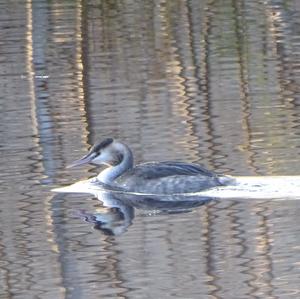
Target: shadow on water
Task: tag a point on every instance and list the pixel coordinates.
(116, 211)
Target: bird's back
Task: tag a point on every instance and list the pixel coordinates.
(168, 178)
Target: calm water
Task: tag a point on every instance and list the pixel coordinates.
(215, 82)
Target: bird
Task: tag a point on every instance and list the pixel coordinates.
(168, 177)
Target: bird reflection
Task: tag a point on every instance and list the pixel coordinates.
(111, 221)
(117, 211)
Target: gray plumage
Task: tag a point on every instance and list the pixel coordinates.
(167, 178)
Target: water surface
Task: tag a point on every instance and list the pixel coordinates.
(212, 82)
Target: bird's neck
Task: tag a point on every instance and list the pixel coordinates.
(109, 174)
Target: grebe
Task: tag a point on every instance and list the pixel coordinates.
(168, 177)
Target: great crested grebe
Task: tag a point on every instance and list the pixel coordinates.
(168, 177)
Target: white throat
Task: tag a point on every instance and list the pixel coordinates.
(109, 174)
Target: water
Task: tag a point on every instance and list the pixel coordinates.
(215, 82)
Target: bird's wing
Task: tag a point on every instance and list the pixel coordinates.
(169, 168)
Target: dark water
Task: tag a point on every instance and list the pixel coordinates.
(215, 82)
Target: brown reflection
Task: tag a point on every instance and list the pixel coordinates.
(212, 278)
(46, 111)
(262, 265)
(237, 237)
(81, 66)
(36, 109)
(180, 80)
(245, 98)
(267, 100)
(201, 47)
(283, 43)
(190, 80)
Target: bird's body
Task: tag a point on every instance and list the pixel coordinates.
(168, 177)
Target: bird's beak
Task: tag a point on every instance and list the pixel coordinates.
(84, 160)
